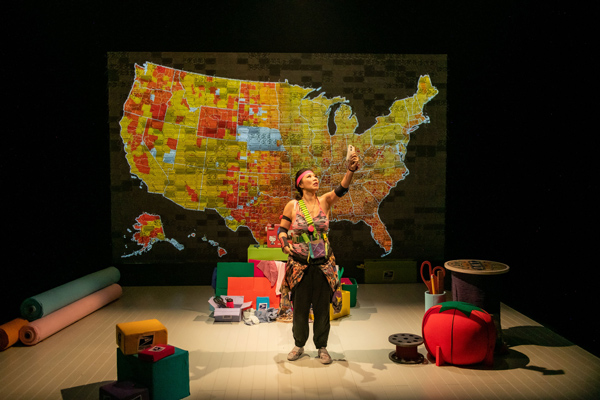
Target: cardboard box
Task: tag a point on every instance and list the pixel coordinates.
(133, 337)
(391, 271)
(166, 379)
(230, 314)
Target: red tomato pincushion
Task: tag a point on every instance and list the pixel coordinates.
(459, 333)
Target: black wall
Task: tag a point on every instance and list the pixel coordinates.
(520, 130)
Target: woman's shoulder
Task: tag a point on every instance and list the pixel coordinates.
(291, 205)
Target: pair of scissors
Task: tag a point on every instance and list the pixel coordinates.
(434, 276)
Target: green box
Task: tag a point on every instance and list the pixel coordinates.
(353, 291)
(266, 253)
(231, 269)
(391, 271)
(166, 379)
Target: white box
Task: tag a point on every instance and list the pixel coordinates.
(229, 314)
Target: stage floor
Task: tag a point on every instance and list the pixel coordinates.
(237, 361)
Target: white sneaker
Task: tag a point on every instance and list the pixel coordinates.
(295, 353)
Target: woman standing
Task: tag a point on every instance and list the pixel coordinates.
(311, 274)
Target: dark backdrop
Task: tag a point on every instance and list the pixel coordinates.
(520, 130)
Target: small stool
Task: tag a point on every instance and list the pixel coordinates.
(406, 348)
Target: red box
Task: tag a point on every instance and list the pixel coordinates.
(156, 352)
(272, 237)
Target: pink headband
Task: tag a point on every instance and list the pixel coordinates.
(301, 176)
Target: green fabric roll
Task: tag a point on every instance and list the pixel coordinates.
(44, 303)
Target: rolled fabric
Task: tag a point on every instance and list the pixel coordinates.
(9, 332)
(47, 302)
(38, 330)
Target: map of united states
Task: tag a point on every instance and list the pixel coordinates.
(234, 146)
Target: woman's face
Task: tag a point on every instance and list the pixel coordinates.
(309, 181)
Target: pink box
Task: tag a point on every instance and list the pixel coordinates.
(257, 272)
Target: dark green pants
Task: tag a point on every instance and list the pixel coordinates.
(312, 289)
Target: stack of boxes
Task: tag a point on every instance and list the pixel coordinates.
(235, 279)
(147, 367)
(243, 281)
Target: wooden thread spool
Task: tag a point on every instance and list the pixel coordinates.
(406, 348)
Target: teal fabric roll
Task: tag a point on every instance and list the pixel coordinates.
(44, 303)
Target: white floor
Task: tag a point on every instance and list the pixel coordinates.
(237, 361)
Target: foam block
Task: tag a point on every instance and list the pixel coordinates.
(40, 329)
(166, 379)
(133, 337)
(47, 302)
(123, 391)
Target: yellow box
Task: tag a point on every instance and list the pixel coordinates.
(345, 307)
(133, 337)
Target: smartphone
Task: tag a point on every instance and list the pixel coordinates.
(351, 150)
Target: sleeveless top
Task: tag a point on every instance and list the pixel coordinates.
(300, 226)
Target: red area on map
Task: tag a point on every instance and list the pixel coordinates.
(149, 141)
(215, 122)
(172, 143)
(146, 233)
(157, 100)
(193, 195)
(141, 163)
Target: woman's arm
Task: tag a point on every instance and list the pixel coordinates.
(330, 198)
(284, 225)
